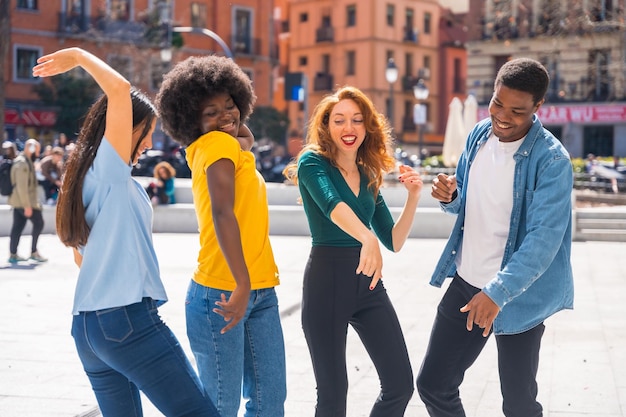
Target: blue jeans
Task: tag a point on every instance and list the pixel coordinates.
(127, 349)
(253, 352)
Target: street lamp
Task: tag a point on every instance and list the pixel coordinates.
(420, 91)
(391, 74)
(166, 23)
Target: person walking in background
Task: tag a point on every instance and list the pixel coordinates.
(508, 252)
(9, 153)
(339, 173)
(106, 217)
(236, 273)
(161, 188)
(9, 150)
(51, 168)
(25, 202)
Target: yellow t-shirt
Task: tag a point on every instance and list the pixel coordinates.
(250, 209)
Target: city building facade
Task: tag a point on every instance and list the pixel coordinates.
(342, 42)
(140, 38)
(582, 43)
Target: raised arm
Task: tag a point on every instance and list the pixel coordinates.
(413, 183)
(119, 117)
(245, 137)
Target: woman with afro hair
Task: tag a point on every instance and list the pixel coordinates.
(203, 103)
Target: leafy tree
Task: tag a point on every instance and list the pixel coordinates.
(267, 122)
(72, 96)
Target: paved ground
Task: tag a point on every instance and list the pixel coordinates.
(582, 370)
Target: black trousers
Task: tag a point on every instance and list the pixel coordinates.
(19, 222)
(452, 350)
(333, 297)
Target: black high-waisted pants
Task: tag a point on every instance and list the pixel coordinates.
(333, 297)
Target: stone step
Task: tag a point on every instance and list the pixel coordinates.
(601, 223)
(288, 220)
(613, 212)
(287, 215)
(287, 194)
(601, 236)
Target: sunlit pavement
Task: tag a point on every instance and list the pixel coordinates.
(583, 359)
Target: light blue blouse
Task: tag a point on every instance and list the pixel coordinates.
(119, 265)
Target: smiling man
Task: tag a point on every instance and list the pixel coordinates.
(509, 251)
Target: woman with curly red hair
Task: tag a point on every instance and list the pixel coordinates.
(339, 173)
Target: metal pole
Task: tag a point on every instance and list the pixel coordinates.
(421, 143)
(391, 106)
(207, 32)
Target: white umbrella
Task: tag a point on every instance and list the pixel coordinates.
(454, 137)
(470, 113)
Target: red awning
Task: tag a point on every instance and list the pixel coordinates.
(29, 117)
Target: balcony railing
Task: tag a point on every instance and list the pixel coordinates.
(323, 82)
(245, 45)
(325, 34)
(70, 24)
(408, 82)
(410, 35)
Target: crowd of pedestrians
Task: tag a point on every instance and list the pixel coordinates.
(508, 255)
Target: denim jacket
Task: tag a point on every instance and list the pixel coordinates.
(535, 278)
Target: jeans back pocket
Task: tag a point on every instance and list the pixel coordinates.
(115, 324)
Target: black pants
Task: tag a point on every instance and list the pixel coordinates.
(452, 350)
(49, 188)
(333, 297)
(19, 222)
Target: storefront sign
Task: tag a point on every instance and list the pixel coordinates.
(30, 117)
(562, 114)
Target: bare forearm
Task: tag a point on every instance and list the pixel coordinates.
(343, 216)
(107, 78)
(229, 239)
(402, 228)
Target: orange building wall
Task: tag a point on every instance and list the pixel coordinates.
(39, 29)
(371, 38)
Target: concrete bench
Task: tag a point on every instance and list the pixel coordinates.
(286, 215)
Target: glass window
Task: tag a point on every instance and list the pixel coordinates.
(25, 60)
(391, 12)
(350, 63)
(351, 15)
(243, 31)
(119, 10)
(408, 19)
(304, 17)
(302, 61)
(325, 63)
(427, 22)
(27, 4)
(408, 64)
(198, 15)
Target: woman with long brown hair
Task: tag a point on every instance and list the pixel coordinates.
(105, 216)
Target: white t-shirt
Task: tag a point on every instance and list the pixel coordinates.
(489, 201)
